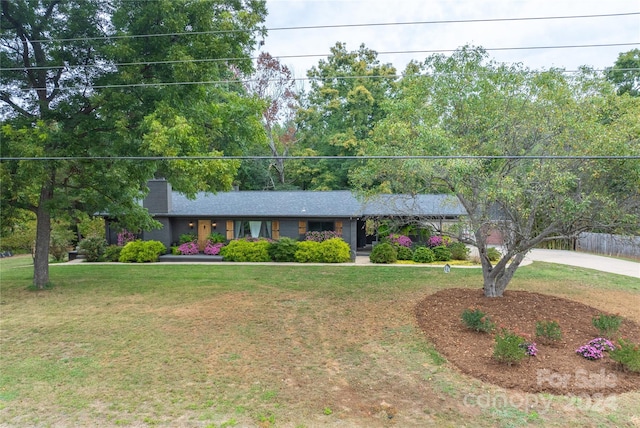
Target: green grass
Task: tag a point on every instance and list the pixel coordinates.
(226, 345)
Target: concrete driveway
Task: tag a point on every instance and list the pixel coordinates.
(585, 260)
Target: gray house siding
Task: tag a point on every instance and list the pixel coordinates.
(293, 210)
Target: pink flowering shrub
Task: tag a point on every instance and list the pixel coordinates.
(401, 240)
(188, 248)
(434, 241)
(212, 249)
(594, 350)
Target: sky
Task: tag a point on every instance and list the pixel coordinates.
(450, 36)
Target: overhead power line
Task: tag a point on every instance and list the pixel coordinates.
(319, 27)
(383, 157)
(208, 60)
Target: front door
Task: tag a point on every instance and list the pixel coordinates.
(204, 230)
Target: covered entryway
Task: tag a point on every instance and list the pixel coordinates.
(204, 230)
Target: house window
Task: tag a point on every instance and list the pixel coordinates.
(252, 229)
(321, 226)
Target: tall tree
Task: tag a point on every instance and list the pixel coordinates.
(340, 110)
(625, 73)
(86, 82)
(274, 83)
(491, 115)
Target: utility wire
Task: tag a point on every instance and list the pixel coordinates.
(316, 27)
(391, 157)
(207, 60)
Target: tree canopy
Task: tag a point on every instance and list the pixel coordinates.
(88, 79)
(529, 144)
(338, 113)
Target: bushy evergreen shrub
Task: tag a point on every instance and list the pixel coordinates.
(112, 253)
(92, 248)
(441, 253)
(142, 251)
(423, 255)
(242, 250)
(459, 251)
(404, 253)
(283, 250)
(384, 253)
(308, 252)
(334, 250)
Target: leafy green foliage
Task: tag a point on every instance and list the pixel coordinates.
(60, 241)
(467, 104)
(342, 107)
(423, 255)
(334, 250)
(384, 253)
(112, 253)
(459, 251)
(548, 331)
(242, 250)
(493, 254)
(627, 354)
(283, 250)
(404, 253)
(477, 320)
(142, 251)
(607, 325)
(441, 253)
(625, 73)
(93, 248)
(508, 347)
(112, 108)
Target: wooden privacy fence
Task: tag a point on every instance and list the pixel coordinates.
(611, 245)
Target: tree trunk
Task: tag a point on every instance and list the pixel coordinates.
(43, 237)
(496, 278)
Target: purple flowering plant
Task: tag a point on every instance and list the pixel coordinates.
(594, 350)
(530, 348)
(124, 237)
(401, 240)
(212, 249)
(188, 248)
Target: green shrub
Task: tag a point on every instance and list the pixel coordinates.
(548, 331)
(423, 255)
(441, 253)
(216, 238)
(112, 253)
(283, 250)
(308, 252)
(404, 253)
(334, 250)
(242, 250)
(627, 354)
(493, 254)
(509, 347)
(60, 242)
(459, 251)
(92, 248)
(187, 237)
(477, 320)
(607, 325)
(384, 253)
(141, 251)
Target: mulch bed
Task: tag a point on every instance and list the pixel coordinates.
(556, 369)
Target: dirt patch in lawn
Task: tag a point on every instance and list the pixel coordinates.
(556, 369)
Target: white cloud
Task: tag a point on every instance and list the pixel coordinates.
(423, 37)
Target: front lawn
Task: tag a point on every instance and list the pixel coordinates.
(292, 346)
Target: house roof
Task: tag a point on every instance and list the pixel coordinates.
(330, 204)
